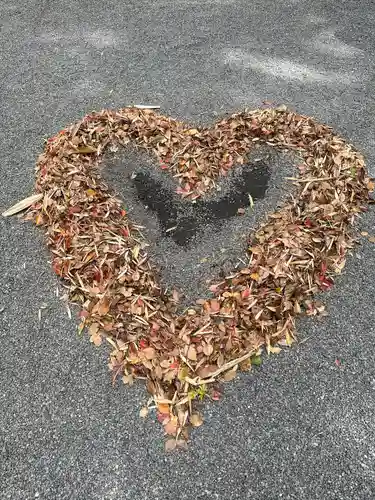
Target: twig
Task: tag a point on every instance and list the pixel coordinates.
(225, 367)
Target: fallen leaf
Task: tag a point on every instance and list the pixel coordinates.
(96, 339)
(273, 349)
(170, 445)
(192, 353)
(85, 149)
(196, 420)
(23, 204)
(143, 412)
(192, 131)
(256, 360)
(230, 374)
(171, 427)
(163, 408)
(149, 353)
(214, 305)
(216, 395)
(102, 307)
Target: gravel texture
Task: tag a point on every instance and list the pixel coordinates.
(301, 426)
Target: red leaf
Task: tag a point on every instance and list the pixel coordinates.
(325, 283)
(74, 210)
(216, 395)
(143, 344)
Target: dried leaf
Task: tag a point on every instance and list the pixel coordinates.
(23, 204)
(170, 445)
(171, 427)
(196, 420)
(85, 149)
(192, 353)
(230, 374)
(192, 131)
(143, 412)
(149, 353)
(163, 408)
(102, 255)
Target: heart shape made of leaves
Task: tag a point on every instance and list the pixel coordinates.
(102, 255)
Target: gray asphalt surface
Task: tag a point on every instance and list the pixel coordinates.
(300, 427)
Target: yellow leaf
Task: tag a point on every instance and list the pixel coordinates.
(192, 131)
(135, 251)
(85, 149)
(183, 372)
(274, 349)
(254, 276)
(39, 220)
(90, 192)
(288, 339)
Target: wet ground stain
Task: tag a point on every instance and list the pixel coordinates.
(182, 220)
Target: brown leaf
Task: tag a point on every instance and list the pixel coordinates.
(102, 307)
(96, 339)
(171, 427)
(230, 374)
(214, 305)
(196, 420)
(93, 329)
(192, 353)
(170, 445)
(149, 353)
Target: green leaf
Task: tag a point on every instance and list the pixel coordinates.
(256, 360)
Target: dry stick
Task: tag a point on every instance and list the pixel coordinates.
(311, 179)
(226, 366)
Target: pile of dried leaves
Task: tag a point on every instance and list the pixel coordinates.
(102, 256)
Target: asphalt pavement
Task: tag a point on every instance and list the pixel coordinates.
(301, 426)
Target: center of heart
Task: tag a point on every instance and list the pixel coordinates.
(197, 243)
